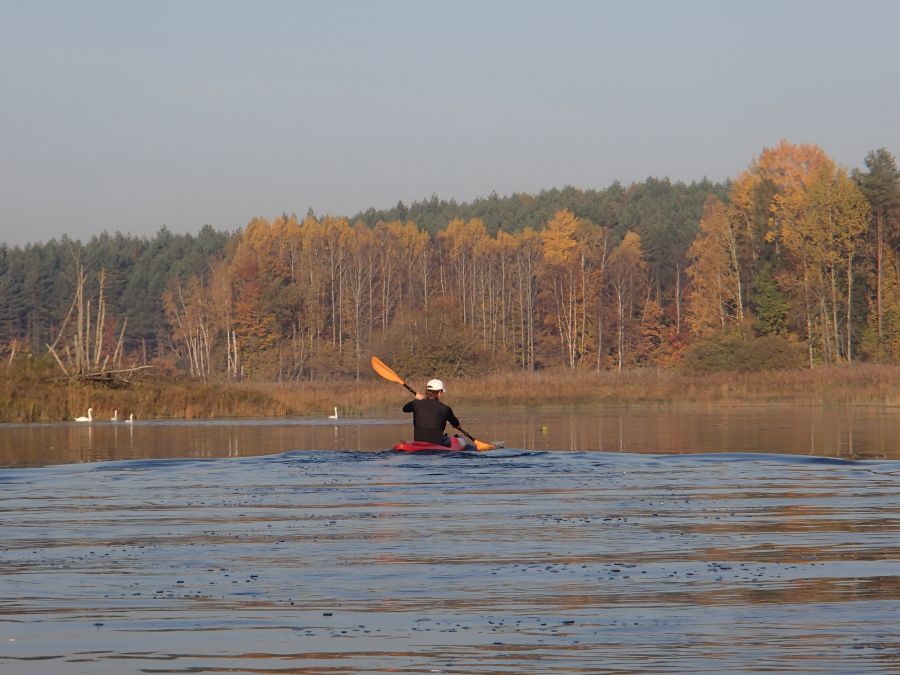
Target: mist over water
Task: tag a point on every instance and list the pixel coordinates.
(524, 559)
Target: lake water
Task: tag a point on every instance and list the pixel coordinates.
(618, 542)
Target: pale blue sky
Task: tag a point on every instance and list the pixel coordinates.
(130, 115)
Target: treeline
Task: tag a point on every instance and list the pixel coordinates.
(795, 262)
(38, 281)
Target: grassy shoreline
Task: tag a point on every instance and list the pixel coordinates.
(27, 396)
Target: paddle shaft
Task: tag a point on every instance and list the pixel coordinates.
(467, 434)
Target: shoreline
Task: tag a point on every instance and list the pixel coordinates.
(31, 397)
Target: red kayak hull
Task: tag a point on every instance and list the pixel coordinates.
(422, 446)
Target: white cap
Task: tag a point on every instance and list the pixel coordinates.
(434, 385)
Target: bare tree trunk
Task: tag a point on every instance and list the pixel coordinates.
(117, 355)
(84, 354)
(834, 314)
(522, 328)
(878, 258)
(87, 337)
(621, 345)
(79, 325)
(850, 309)
(826, 330)
(600, 331)
(101, 317)
(809, 338)
(678, 298)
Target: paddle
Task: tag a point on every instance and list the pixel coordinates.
(479, 445)
(385, 371)
(382, 369)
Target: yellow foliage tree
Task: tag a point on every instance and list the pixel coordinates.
(816, 223)
(715, 296)
(831, 234)
(627, 278)
(573, 256)
(459, 241)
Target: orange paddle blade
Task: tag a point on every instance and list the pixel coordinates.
(382, 369)
(479, 445)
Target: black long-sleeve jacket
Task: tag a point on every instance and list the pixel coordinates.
(430, 418)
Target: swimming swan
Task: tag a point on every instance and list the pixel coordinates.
(115, 417)
(335, 416)
(130, 419)
(89, 418)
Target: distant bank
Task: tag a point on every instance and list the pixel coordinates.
(27, 396)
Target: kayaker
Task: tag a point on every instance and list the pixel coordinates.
(430, 415)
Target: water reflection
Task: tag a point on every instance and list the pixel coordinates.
(853, 433)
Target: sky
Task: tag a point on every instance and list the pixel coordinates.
(129, 116)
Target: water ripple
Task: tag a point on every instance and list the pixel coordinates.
(508, 561)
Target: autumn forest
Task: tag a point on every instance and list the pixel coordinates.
(793, 264)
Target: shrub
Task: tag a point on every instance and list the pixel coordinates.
(771, 352)
(432, 346)
(733, 352)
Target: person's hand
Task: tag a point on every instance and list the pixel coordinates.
(420, 397)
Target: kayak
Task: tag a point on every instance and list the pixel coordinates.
(423, 446)
(456, 445)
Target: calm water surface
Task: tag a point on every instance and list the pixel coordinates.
(850, 433)
(614, 543)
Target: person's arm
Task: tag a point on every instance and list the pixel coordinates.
(452, 418)
(409, 406)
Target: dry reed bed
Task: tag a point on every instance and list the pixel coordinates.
(31, 398)
(864, 384)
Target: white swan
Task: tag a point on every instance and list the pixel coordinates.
(89, 418)
(335, 416)
(115, 417)
(130, 419)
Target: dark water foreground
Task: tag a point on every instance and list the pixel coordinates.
(502, 562)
